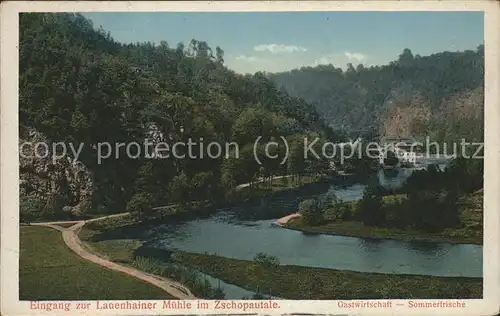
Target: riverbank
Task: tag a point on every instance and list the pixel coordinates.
(285, 219)
(49, 270)
(470, 230)
(357, 229)
(244, 194)
(116, 248)
(125, 244)
(296, 282)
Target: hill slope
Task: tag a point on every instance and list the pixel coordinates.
(80, 87)
(413, 95)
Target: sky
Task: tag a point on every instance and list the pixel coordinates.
(281, 41)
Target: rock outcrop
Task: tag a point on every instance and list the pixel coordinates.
(60, 186)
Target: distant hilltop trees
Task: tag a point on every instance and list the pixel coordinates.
(440, 95)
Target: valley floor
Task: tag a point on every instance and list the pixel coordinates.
(50, 270)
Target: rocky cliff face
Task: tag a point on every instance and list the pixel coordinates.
(460, 115)
(405, 117)
(60, 186)
(464, 106)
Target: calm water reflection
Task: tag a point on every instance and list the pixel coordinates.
(244, 231)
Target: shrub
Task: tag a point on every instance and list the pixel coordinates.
(266, 259)
(30, 208)
(218, 293)
(191, 278)
(148, 265)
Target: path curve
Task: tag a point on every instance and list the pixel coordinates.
(71, 239)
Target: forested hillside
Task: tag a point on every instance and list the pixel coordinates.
(440, 96)
(79, 86)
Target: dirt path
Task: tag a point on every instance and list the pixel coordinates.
(285, 219)
(244, 185)
(71, 239)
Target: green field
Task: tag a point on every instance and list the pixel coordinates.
(50, 270)
(295, 282)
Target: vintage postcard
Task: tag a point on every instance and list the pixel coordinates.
(270, 158)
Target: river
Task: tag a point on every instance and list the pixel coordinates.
(244, 231)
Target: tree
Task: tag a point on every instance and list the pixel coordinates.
(406, 57)
(431, 211)
(449, 87)
(229, 174)
(430, 178)
(360, 68)
(140, 204)
(179, 188)
(78, 85)
(296, 163)
(311, 211)
(284, 181)
(219, 53)
(465, 174)
(448, 206)
(350, 69)
(201, 186)
(370, 209)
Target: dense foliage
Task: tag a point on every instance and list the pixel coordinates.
(311, 211)
(413, 95)
(428, 201)
(265, 259)
(79, 86)
(370, 207)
